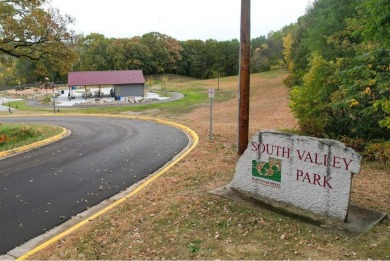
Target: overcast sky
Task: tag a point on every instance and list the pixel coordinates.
(180, 19)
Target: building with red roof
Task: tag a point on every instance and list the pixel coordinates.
(124, 82)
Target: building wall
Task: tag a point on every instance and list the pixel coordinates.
(129, 90)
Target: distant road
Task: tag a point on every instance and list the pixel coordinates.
(45, 187)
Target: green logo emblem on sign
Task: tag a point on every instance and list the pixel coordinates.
(267, 173)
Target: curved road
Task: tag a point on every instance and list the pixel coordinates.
(43, 188)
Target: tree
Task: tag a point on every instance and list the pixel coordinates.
(227, 62)
(128, 54)
(275, 44)
(375, 17)
(326, 19)
(191, 62)
(150, 82)
(338, 57)
(94, 53)
(210, 57)
(165, 51)
(361, 104)
(164, 83)
(267, 52)
(261, 59)
(256, 42)
(309, 102)
(29, 31)
(7, 74)
(25, 69)
(287, 55)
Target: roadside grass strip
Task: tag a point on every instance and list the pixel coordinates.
(8, 153)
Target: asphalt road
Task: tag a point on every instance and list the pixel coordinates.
(43, 188)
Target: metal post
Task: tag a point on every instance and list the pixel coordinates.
(211, 118)
(54, 101)
(211, 96)
(243, 116)
(46, 84)
(219, 72)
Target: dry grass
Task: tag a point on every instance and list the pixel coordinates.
(177, 217)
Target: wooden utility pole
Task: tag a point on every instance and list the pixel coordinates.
(243, 110)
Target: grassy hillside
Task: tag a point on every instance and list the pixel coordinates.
(178, 218)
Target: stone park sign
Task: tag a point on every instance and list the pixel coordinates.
(308, 173)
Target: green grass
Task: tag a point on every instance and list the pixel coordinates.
(22, 106)
(194, 96)
(17, 135)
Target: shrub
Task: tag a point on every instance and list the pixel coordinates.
(357, 144)
(46, 99)
(309, 102)
(379, 151)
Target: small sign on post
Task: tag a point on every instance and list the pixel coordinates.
(211, 93)
(211, 96)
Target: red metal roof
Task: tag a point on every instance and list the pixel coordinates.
(105, 77)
